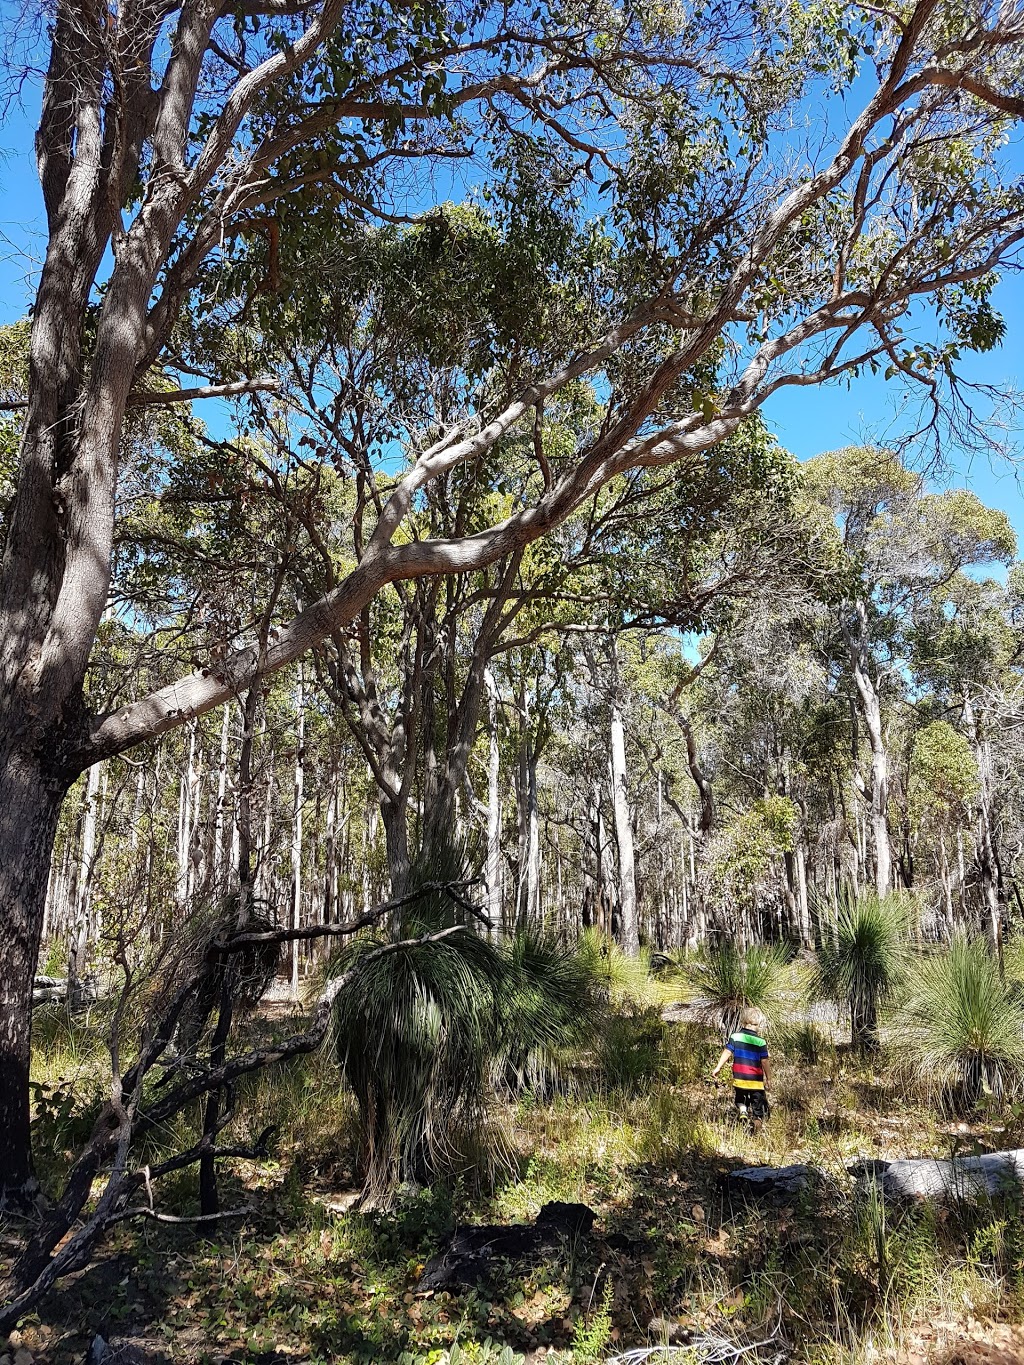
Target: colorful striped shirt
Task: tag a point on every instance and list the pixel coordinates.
(748, 1052)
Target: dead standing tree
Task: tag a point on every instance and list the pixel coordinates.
(166, 126)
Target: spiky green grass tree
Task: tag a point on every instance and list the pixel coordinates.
(722, 981)
(427, 1032)
(961, 1026)
(623, 978)
(863, 958)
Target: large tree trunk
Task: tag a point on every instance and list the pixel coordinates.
(395, 819)
(30, 802)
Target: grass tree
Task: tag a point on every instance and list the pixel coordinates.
(962, 1025)
(426, 1032)
(863, 959)
(723, 981)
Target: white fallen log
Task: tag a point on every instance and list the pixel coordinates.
(48, 989)
(969, 1178)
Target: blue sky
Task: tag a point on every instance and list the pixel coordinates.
(806, 421)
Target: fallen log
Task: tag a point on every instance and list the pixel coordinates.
(963, 1178)
(473, 1251)
(48, 990)
(57, 990)
(779, 1182)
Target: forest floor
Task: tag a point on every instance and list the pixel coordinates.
(832, 1277)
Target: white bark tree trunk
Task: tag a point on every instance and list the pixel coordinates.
(493, 873)
(300, 701)
(218, 852)
(987, 862)
(83, 895)
(871, 711)
(630, 932)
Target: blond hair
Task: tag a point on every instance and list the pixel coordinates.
(751, 1017)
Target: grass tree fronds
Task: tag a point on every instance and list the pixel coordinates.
(548, 1007)
(961, 1026)
(722, 981)
(444, 871)
(427, 1032)
(863, 958)
(414, 1033)
(623, 979)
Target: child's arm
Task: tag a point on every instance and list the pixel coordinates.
(725, 1057)
(766, 1068)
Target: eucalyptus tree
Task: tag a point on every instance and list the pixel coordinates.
(184, 148)
(968, 650)
(893, 545)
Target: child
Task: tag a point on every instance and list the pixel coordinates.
(751, 1069)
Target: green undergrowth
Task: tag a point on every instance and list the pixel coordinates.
(837, 1275)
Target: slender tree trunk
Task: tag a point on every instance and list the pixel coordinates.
(630, 930)
(219, 852)
(871, 711)
(987, 861)
(297, 832)
(80, 944)
(533, 897)
(330, 882)
(493, 809)
(806, 936)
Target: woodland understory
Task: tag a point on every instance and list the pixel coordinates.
(434, 702)
(299, 1275)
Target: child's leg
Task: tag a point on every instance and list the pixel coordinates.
(758, 1108)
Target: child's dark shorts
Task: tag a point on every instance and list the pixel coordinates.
(753, 1102)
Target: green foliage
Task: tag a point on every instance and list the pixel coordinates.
(425, 1031)
(631, 1049)
(485, 1352)
(863, 957)
(63, 1115)
(548, 1003)
(591, 1334)
(748, 844)
(723, 980)
(960, 1025)
(804, 1042)
(943, 776)
(621, 978)
(415, 1029)
(14, 341)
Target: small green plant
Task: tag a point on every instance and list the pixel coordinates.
(673, 1131)
(592, 1334)
(803, 1042)
(472, 1353)
(63, 1116)
(631, 1050)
